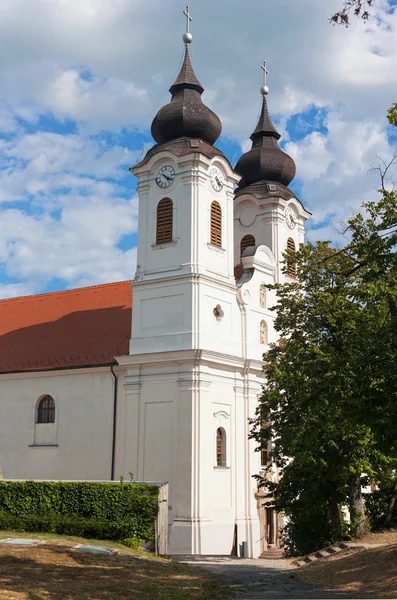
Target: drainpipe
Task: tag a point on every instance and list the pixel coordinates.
(114, 424)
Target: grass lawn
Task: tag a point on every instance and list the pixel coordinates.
(370, 573)
(54, 571)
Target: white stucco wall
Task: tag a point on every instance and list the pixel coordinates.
(81, 434)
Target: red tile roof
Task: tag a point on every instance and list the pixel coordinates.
(75, 328)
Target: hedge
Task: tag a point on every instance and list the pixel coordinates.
(116, 511)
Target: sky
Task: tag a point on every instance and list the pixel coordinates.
(81, 81)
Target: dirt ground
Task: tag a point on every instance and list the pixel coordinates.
(55, 571)
(370, 573)
(254, 579)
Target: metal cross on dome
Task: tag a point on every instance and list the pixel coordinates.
(265, 72)
(188, 18)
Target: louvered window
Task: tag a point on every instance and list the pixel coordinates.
(246, 242)
(220, 447)
(216, 224)
(164, 221)
(46, 410)
(291, 249)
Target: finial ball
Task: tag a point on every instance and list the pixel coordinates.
(187, 38)
(264, 90)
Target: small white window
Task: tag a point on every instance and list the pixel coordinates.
(263, 333)
(262, 296)
(220, 447)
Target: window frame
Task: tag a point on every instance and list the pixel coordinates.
(45, 415)
(291, 247)
(262, 293)
(216, 224)
(266, 333)
(164, 221)
(221, 448)
(246, 237)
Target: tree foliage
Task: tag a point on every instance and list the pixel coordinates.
(330, 401)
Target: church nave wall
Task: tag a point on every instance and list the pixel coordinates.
(80, 444)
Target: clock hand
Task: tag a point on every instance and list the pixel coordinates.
(166, 176)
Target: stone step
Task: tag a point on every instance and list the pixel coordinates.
(300, 563)
(323, 553)
(311, 558)
(352, 546)
(334, 549)
(328, 551)
(272, 553)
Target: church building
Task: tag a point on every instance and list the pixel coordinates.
(160, 375)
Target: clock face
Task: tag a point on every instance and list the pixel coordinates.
(290, 218)
(216, 178)
(165, 176)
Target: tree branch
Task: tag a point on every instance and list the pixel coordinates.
(382, 172)
(359, 8)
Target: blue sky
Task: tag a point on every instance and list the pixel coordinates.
(81, 81)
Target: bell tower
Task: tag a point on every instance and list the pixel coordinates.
(185, 256)
(186, 403)
(267, 212)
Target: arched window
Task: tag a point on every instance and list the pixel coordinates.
(216, 224)
(246, 242)
(290, 249)
(262, 296)
(46, 410)
(263, 333)
(164, 221)
(220, 447)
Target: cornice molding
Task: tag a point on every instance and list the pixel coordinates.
(208, 357)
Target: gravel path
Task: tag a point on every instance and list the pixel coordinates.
(259, 578)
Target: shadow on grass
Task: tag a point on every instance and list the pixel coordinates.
(369, 573)
(59, 573)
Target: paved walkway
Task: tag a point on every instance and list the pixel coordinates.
(258, 578)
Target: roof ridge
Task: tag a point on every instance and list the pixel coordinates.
(87, 287)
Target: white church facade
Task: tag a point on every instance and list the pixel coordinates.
(162, 380)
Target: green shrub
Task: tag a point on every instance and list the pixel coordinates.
(121, 512)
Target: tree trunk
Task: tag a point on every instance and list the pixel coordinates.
(334, 515)
(390, 508)
(357, 508)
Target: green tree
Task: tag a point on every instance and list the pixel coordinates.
(331, 395)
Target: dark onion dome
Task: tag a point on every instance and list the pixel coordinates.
(265, 161)
(186, 115)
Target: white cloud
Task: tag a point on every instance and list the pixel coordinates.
(335, 171)
(107, 64)
(310, 155)
(44, 162)
(10, 290)
(78, 215)
(80, 247)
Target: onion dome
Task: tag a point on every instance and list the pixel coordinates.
(186, 115)
(265, 161)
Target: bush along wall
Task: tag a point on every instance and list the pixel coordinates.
(124, 512)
